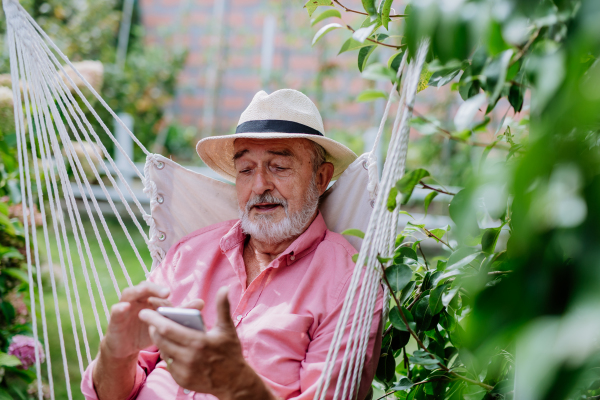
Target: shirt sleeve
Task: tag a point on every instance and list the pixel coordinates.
(314, 362)
(147, 360)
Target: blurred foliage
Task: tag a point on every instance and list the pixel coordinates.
(511, 309)
(88, 30)
(15, 382)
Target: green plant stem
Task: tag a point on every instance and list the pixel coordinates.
(425, 186)
(431, 235)
(423, 255)
(378, 42)
(364, 13)
(524, 49)
(499, 272)
(416, 384)
(420, 343)
(417, 297)
(449, 135)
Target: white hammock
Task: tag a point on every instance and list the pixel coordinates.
(181, 201)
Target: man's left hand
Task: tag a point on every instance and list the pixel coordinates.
(206, 362)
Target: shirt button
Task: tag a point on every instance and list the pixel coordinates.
(186, 391)
(292, 258)
(238, 318)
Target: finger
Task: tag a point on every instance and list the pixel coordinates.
(197, 304)
(223, 314)
(169, 348)
(156, 302)
(119, 311)
(167, 328)
(143, 291)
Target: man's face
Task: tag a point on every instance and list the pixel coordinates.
(276, 183)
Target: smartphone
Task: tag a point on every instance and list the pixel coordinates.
(188, 317)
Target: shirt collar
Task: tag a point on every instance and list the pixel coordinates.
(304, 244)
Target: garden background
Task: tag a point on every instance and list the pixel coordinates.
(499, 229)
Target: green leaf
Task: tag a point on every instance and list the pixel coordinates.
(355, 258)
(406, 292)
(324, 30)
(324, 15)
(443, 76)
(435, 298)
(361, 34)
(386, 368)
(428, 199)
(495, 73)
(447, 297)
(489, 239)
(371, 95)
(424, 79)
(439, 233)
(4, 395)
(463, 120)
(515, 97)
(403, 252)
(461, 212)
(398, 276)
(426, 359)
(370, 8)
(422, 313)
(391, 201)
(403, 384)
(16, 273)
(7, 224)
(397, 321)
(352, 44)
(379, 72)
(399, 339)
(311, 5)
(405, 213)
(363, 56)
(407, 183)
(354, 232)
(8, 361)
(447, 321)
(385, 12)
(395, 60)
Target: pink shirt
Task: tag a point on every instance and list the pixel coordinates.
(285, 318)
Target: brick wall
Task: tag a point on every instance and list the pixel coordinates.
(296, 64)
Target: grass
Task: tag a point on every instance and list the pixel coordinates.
(136, 274)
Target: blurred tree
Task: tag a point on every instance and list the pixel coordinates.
(484, 321)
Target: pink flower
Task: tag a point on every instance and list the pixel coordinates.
(23, 347)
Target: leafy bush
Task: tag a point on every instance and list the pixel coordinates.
(516, 284)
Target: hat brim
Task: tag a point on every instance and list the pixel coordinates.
(217, 151)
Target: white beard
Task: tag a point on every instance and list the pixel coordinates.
(267, 231)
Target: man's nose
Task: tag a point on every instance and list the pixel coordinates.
(262, 182)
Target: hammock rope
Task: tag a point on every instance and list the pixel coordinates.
(47, 108)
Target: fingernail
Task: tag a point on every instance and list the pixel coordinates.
(143, 314)
(164, 292)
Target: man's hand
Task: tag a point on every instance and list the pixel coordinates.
(210, 362)
(126, 334)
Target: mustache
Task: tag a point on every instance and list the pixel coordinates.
(266, 197)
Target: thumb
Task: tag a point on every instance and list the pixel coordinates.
(223, 314)
(197, 304)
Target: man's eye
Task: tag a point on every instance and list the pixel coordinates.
(244, 171)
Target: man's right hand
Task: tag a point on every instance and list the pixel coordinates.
(114, 373)
(126, 334)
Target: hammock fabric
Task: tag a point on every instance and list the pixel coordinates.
(48, 115)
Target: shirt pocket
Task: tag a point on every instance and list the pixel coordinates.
(278, 346)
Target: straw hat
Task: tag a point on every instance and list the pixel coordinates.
(286, 113)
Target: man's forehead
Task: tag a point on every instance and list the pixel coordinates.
(284, 147)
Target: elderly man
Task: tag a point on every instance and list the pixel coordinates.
(283, 273)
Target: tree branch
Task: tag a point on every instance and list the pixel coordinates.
(449, 135)
(431, 235)
(423, 255)
(415, 384)
(364, 13)
(524, 49)
(378, 42)
(425, 186)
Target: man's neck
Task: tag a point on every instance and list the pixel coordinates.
(258, 255)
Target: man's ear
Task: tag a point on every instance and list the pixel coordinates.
(324, 175)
